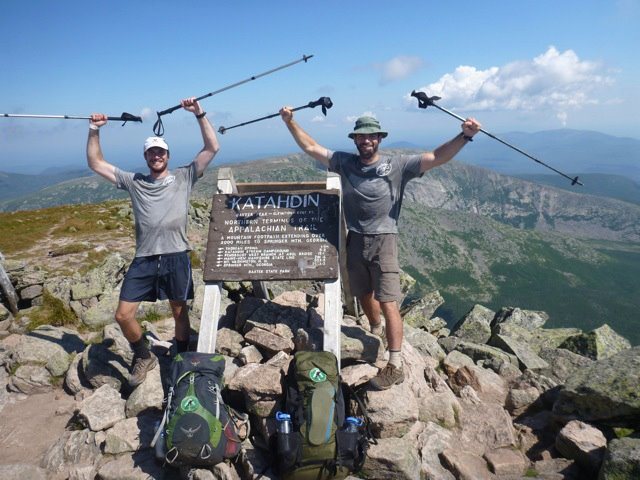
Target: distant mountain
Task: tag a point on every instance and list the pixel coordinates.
(14, 185)
(602, 185)
(569, 151)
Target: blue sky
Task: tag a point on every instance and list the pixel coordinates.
(516, 66)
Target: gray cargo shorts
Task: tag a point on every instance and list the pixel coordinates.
(372, 262)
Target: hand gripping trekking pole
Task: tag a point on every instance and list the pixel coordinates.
(324, 102)
(125, 117)
(158, 128)
(425, 101)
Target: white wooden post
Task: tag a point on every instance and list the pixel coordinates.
(213, 291)
(332, 291)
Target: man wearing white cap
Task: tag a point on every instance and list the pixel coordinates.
(161, 268)
(372, 189)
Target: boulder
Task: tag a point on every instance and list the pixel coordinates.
(622, 459)
(603, 342)
(475, 326)
(607, 390)
(583, 443)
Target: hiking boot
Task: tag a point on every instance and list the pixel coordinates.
(387, 377)
(140, 368)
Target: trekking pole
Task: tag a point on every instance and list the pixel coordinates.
(425, 101)
(324, 102)
(125, 117)
(158, 128)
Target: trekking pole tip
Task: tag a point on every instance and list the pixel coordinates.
(221, 130)
(576, 181)
(306, 57)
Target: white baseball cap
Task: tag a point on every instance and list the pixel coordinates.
(155, 142)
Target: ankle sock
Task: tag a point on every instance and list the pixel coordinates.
(377, 329)
(395, 358)
(140, 348)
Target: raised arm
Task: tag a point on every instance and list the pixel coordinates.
(448, 150)
(302, 138)
(95, 159)
(211, 145)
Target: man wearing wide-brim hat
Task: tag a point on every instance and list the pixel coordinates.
(372, 189)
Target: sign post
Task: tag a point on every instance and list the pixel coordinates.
(273, 231)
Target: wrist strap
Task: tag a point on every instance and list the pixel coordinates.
(201, 115)
(467, 137)
(93, 127)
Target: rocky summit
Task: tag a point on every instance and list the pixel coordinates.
(497, 396)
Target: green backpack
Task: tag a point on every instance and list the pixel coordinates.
(318, 446)
(197, 429)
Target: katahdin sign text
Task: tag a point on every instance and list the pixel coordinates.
(273, 236)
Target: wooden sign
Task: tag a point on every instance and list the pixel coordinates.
(283, 235)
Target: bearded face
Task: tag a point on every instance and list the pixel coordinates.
(367, 145)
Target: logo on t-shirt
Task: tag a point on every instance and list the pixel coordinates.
(383, 169)
(169, 180)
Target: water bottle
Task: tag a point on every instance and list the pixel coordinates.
(285, 442)
(284, 422)
(352, 424)
(159, 449)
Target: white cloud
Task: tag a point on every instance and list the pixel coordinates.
(318, 119)
(554, 80)
(562, 116)
(353, 118)
(398, 68)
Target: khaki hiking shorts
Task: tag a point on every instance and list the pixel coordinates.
(372, 262)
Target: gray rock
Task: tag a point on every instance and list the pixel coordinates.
(432, 441)
(250, 354)
(31, 379)
(148, 395)
(485, 352)
(103, 409)
(393, 459)
(357, 344)
(142, 466)
(528, 319)
(101, 366)
(73, 449)
(466, 465)
(527, 358)
(424, 342)
(419, 313)
(261, 387)
(484, 427)
(229, 342)
(125, 436)
(583, 443)
(622, 460)
(475, 326)
(605, 390)
(603, 342)
(39, 348)
(563, 364)
(269, 341)
(22, 471)
(506, 461)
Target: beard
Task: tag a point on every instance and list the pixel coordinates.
(367, 152)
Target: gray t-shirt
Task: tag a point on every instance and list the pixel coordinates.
(372, 194)
(160, 209)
